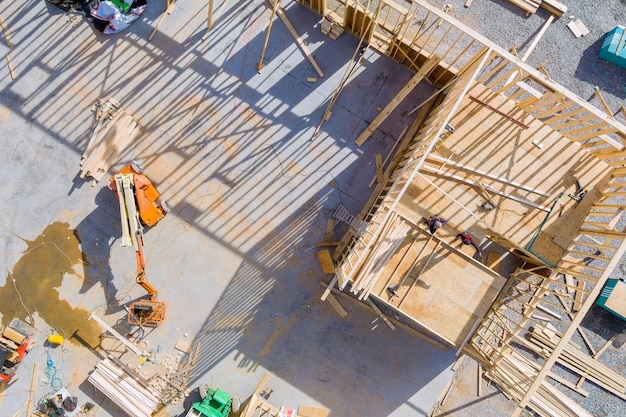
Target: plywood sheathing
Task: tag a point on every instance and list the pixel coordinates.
(490, 142)
(453, 291)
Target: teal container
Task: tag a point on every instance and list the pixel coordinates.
(614, 47)
(604, 302)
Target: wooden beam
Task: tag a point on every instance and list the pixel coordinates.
(260, 65)
(10, 66)
(298, 40)
(211, 19)
(168, 11)
(537, 38)
(486, 194)
(5, 32)
(33, 385)
(487, 175)
(598, 94)
(337, 306)
(379, 168)
(380, 314)
(501, 113)
(575, 323)
(417, 78)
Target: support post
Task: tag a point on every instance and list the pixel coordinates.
(260, 65)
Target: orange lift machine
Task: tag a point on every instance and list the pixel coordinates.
(140, 205)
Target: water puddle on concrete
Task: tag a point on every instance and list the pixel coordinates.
(38, 274)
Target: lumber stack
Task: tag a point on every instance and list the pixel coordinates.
(330, 27)
(515, 375)
(530, 6)
(127, 393)
(579, 362)
(106, 147)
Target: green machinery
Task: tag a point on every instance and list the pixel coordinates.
(214, 403)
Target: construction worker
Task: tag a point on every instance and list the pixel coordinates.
(434, 223)
(467, 239)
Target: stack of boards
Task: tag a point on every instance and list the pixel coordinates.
(107, 144)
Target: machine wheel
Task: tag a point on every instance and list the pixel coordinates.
(136, 167)
(203, 389)
(236, 403)
(166, 208)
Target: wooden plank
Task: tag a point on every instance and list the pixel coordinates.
(10, 66)
(168, 11)
(501, 113)
(329, 288)
(468, 3)
(574, 325)
(326, 261)
(571, 283)
(379, 168)
(299, 40)
(568, 384)
(311, 411)
(334, 303)
(486, 194)
(183, 346)
(380, 314)
(417, 78)
(5, 32)
(602, 100)
(330, 226)
(578, 297)
(623, 110)
(33, 385)
(538, 37)
(554, 6)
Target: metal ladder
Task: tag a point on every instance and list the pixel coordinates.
(344, 215)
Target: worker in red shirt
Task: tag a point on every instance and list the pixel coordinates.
(467, 239)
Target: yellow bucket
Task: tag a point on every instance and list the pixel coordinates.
(55, 339)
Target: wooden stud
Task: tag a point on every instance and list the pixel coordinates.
(380, 314)
(501, 113)
(417, 78)
(379, 168)
(299, 41)
(260, 65)
(602, 101)
(537, 38)
(337, 306)
(33, 385)
(168, 11)
(623, 110)
(10, 66)
(330, 226)
(5, 32)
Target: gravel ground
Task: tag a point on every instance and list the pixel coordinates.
(573, 63)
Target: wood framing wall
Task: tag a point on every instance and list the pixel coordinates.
(416, 34)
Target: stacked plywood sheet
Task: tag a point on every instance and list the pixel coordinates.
(107, 145)
(135, 398)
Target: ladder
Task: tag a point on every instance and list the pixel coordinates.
(344, 215)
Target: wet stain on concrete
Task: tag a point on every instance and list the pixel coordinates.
(34, 281)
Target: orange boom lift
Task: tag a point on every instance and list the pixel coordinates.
(140, 205)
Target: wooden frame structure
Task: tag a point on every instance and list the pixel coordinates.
(558, 275)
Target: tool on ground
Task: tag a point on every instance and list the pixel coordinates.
(579, 194)
(140, 205)
(15, 342)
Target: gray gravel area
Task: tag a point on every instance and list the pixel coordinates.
(573, 63)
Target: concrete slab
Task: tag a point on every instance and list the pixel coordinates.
(250, 193)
